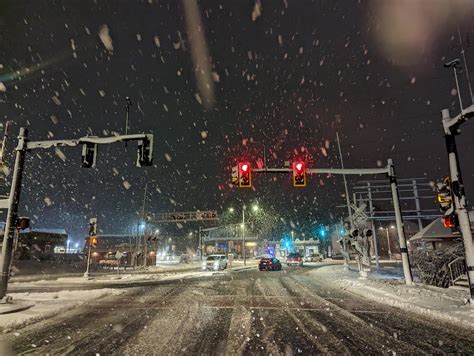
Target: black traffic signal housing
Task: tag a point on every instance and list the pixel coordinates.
(93, 227)
(235, 175)
(89, 154)
(299, 174)
(145, 152)
(23, 223)
(245, 175)
(445, 195)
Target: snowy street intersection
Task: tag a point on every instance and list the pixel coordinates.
(297, 310)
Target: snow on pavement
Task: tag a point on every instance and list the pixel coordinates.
(442, 303)
(49, 304)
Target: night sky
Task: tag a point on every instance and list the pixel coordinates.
(286, 75)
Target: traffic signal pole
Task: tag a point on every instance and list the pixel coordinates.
(398, 218)
(144, 158)
(389, 170)
(450, 127)
(12, 215)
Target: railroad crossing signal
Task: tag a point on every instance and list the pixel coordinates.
(299, 174)
(245, 175)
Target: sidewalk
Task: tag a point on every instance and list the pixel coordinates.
(388, 287)
(46, 305)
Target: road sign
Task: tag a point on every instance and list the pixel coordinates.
(119, 255)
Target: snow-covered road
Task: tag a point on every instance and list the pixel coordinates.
(292, 311)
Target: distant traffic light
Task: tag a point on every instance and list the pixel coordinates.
(23, 223)
(235, 175)
(450, 221)
(89, 155)
(93, 241)
(145, 152)
(245, 175)
(299, 174)
(93, 227)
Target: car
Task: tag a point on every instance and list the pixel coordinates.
(269, 264)
(313, 258)
(215, 263)
(294, 259)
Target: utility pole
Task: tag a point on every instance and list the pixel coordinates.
(398, 218)
(12, 215)
(374, 233)
(127, 115)
(348, 200)
(200, 242)
(451, 128)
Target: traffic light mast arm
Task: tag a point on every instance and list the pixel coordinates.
(356, 171)
(30, 145)
(451, 124)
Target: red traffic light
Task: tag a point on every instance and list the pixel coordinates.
(245, 175)
(299, 174)
(449, 221)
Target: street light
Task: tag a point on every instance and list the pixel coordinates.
(231, 210)
(255, 208)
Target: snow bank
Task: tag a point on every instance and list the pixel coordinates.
(49, 304)
(441, 303)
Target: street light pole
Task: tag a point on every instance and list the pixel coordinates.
(451, 126)
(243, 235)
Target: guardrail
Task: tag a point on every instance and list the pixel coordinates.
(457, 269)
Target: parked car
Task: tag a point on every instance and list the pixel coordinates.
(313, 258)
(269, 264)
(294, 259)
(215, 263)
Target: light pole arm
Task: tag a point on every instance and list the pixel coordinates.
(30, 145)
(450, 124)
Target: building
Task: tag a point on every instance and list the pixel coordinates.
(39, 243)
(435, 236)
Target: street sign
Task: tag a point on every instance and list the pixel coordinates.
(185, 216)
(119, 255)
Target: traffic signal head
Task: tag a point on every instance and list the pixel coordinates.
(89, 155)
(445, 194)
(23, 223)
(450, 221)
(93, 241)
(245, 175)
(93, 227)
(235, 175)
(145, 152)
(299, 174)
